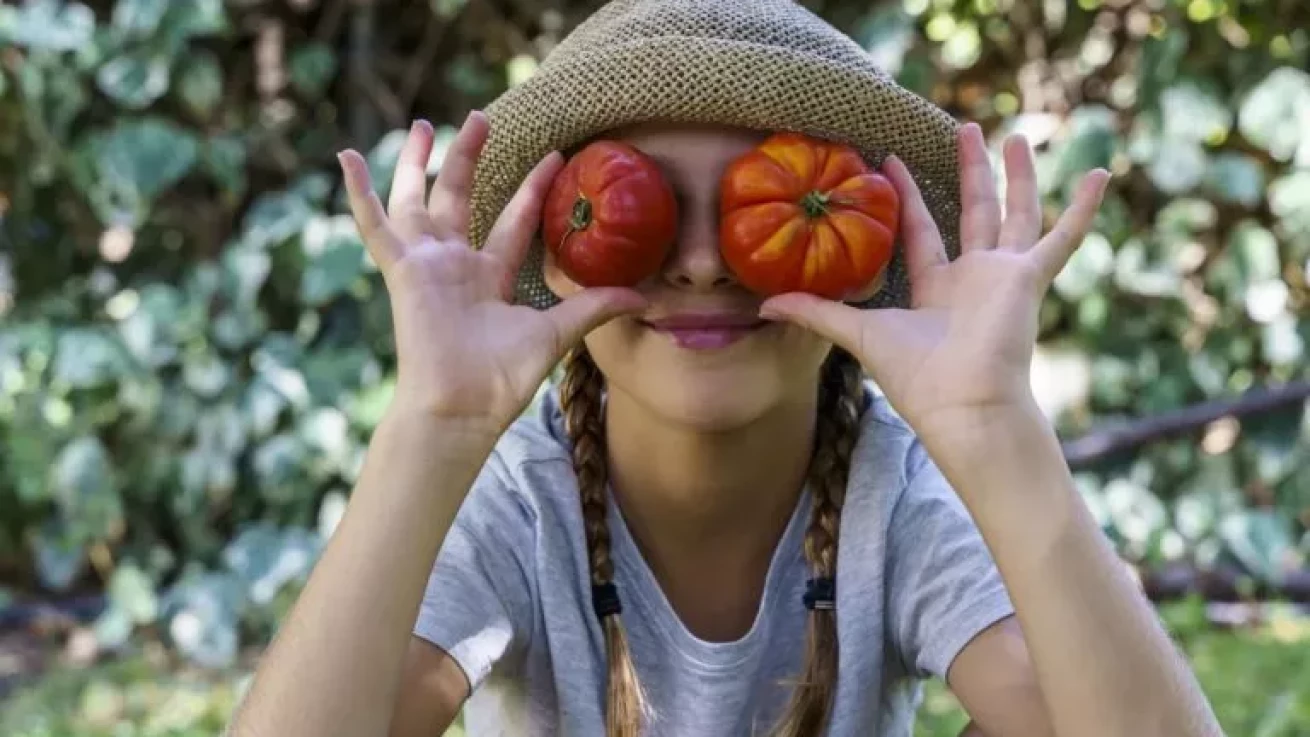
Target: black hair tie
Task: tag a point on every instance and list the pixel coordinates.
(820, 593)
(605, 600)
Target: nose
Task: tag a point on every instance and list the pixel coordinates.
(695, 263)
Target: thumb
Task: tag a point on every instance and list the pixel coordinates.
(587, 310)
(836, 321)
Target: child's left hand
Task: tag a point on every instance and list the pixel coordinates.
(961, 355)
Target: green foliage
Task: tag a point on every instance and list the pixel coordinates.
(195, 346)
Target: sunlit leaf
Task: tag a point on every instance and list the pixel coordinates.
(1276, 114)
(134, 80)
(47, 25)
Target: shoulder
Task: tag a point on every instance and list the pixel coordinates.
(888, 455)
(530, 469)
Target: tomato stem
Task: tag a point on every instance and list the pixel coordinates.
(581, 214)
(814, 203)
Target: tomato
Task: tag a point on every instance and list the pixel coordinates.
(799, 214)
(610, 217)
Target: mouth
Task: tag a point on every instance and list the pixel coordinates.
(706, 331)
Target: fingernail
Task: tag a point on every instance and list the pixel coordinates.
(768, 313)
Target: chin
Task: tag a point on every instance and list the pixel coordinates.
(706, 380)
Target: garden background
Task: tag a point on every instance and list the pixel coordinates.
(194, 347)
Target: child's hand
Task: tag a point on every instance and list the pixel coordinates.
(466, 354)
(961, 354)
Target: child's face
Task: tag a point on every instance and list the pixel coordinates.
(734, 368)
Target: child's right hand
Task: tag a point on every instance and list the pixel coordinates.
(467, 355)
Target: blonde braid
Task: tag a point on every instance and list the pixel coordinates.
(841, 395)
(580, 397)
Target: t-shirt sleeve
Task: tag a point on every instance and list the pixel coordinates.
(479, 599)
(943, 586)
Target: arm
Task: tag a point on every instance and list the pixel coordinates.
(335, 667)
(994, 680)
(1104, 664)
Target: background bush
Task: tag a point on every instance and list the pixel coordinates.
(195, 347)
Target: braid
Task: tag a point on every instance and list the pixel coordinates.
(840, 402)
(580, 396)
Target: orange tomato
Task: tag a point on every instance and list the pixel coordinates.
(610, 216)
(799, 214)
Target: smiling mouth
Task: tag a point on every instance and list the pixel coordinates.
(706, 332)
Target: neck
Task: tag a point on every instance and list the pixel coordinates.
(690, 490)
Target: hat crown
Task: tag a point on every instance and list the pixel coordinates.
(781, 24)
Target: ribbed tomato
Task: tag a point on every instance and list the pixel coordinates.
(610, 216)
(800, 214)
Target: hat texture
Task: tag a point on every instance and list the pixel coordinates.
(768, 65)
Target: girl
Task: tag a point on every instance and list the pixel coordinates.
(713, 526)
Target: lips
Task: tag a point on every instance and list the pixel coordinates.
(706, 331)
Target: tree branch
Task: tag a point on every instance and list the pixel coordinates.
(1101, 444)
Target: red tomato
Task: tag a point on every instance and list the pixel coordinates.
(610, 217)
(799, 214)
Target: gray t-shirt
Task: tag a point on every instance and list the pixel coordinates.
(509, 598)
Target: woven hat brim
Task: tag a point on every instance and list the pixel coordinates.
(711, 80)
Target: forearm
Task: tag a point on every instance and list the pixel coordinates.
(1105, 665)
(334, 666)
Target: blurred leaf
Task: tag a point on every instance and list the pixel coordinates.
(1236, 178)
(132, 592)
(275, 217)
(224, 159)
(187, 19)
(204, 614)
(1179, 165)
(1090, 143)
(278, 464)
(60, 554)
(312, 67)
(1087, 268)
(139, 18)
(87, 357)
(48, 25)
(1193, 112)
(267, 558)
(201, 83)
(1261, 540)
(1276, 114)
(131, 163)
(134, 80)
(206, 374)
(1289, 199)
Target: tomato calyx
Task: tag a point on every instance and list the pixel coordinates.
(581, 216)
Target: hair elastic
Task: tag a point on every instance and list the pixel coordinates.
(820, 593)
(605, 600)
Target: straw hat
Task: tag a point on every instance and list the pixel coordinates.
(767, 65)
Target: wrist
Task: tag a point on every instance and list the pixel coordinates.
(440, 438)
(974, 432)
(1002, 451)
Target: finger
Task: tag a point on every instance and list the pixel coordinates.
(1023, 207)
(837, 322)
(587, 310)
(370, 217)
(1053, 251)
(980, 217)
(923, 242)
(512, 234)
(449, 203)
(409, 184)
